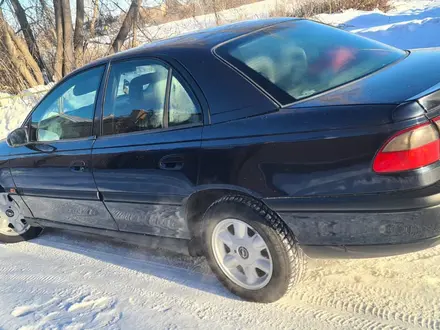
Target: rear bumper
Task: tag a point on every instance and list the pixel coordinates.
(368, 251)
(363, 226)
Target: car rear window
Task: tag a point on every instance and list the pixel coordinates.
(299, 58)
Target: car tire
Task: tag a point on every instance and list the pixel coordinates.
(240, 234)
(31, 233)
(13, 226)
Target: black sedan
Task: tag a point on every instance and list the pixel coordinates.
(253, 144)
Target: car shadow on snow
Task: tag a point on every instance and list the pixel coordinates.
(189, 271)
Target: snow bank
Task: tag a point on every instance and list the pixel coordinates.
(14, 108)
(411, 24)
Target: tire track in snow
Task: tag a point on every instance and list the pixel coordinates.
(382, 303)
(183, 291)
(391, 296)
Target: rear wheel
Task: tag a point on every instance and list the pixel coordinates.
(13, 226)
(250, 249)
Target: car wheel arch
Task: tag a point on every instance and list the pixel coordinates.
(198, 203)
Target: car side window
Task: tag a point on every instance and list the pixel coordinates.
(68, 111)
(135, 98)
(183, 108)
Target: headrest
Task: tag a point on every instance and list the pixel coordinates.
(137, 84)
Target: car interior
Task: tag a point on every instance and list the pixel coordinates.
(303, 68)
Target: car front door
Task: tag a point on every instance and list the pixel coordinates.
(52, 173)
(146, 160)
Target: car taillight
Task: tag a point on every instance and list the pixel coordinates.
(409, 149)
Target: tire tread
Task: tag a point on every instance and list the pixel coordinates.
(296, 257)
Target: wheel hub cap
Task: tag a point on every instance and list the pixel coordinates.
(242, 254)
(10, 213)
(11, 219)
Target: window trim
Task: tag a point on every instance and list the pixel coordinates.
(26, 122)
(151, 131)
(171, 69)
(166, 106)
(85, 138)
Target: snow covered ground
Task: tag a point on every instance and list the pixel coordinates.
(411, 24)
(72, 281)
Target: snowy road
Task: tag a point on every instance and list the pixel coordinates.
(70, 281)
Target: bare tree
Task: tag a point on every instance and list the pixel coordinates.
(216, 11)
(44, 6)
(126, 25)
(27, 32)
(78, 38)
(68, 58)
(47, 15)
(59, 54)
(134, 42)
(94, 18)
(22, 48)
(45, 9)
(12, 45)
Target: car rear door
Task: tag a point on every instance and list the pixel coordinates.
(145, 163)
(52, 173)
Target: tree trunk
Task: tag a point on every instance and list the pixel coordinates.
(216, 14)
(126, 26)
(22, 47)
(134, 42)
(59, 54)
(135, 22)
(14, 56)
(78, 38)
(68, 58)
(94, 18)
(27, 32)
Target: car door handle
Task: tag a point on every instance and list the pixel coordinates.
(171, 163)
(78, 166)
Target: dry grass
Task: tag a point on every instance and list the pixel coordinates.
(316, 7)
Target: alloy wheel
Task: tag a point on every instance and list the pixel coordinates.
(242, 254)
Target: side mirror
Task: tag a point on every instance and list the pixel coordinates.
(18, 137)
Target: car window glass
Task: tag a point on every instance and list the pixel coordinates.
(293, 60)
(135, 97)
(68, 111)
(183, 109)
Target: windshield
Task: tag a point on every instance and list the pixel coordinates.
(298, 59)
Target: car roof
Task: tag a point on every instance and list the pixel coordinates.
(192, 51)
(200, 40)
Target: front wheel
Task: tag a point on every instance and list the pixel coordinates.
(251, 250)
(13, 226)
